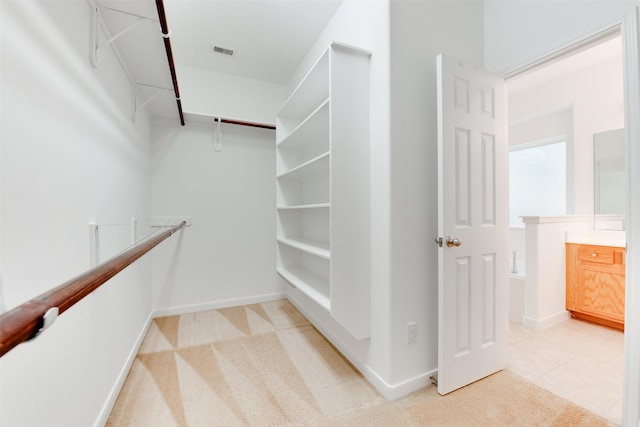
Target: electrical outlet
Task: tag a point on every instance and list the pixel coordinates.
(412, 333)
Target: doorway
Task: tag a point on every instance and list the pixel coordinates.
(571, 99)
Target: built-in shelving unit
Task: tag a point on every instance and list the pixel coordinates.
(323, 187)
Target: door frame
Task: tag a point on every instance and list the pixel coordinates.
(627, 26)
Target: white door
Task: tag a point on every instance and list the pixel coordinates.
(472, 222)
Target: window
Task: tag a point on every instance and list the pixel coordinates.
(537, 180)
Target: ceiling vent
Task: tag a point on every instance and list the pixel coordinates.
(223, 50)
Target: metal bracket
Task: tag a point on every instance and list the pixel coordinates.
(94, 238)
(135, 106)
(434, 379)
(93, 33)
(94, 245)
(47, 320)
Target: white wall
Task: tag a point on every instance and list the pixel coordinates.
(228, 255)
(544, 124)
(515, 32)
(70, 156)
(223, 95)
(547, 124)
(580, 104)
(419, 32)
(545, 281)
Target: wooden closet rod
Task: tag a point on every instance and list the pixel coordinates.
(167, 48)
(172, 68)
(241, 123)
(29, 319)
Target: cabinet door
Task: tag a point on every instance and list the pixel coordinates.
(601, 290)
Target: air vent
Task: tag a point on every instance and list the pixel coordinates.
(223, 50)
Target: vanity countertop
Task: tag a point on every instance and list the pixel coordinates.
(597, 237)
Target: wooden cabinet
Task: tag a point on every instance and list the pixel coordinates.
(323, 187)
(595, 283)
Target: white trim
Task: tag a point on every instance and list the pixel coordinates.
(631, 70)
(117, 386)
(389, 391)
(213, 305)
(555, 219)
(547, 113)
(547, 322)
(341, 45)
(404, 388)
(575, 44)
(539, 143)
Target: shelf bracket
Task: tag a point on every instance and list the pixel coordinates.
(136, 107)
(95, 20)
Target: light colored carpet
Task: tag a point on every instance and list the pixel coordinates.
(265, 365)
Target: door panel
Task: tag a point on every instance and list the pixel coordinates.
(472, 196)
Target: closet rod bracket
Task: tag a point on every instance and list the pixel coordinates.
(158, 90)
(95, 22)
(47, 320)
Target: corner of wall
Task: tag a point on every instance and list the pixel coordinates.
(419, 32)
(122, 376)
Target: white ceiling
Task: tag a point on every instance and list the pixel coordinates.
(271, 37)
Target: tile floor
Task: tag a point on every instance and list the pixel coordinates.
(577, 360)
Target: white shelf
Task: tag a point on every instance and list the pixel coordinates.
(312, 285)
(310, 226)
(313, 247)
(307, 190)
(312, 90)
(310, 206)
(309, 140)
(314, 128)
(314, 166)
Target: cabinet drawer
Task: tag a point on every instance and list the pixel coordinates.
(599, 254)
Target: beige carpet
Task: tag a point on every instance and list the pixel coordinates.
(265, 365)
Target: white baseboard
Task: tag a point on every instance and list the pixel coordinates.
(122, 376)
(547, 322)
(213, 305)
(404, 388)
(389, 391)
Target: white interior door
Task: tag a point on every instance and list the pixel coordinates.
(472, 222)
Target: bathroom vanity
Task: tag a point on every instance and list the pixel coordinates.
(595, 260)
(595, 283)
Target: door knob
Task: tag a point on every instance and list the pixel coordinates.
(453, 241)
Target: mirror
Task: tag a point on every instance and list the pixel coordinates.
(610, 181)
